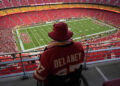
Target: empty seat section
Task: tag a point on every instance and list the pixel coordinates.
(91, 13)
(16, 19)
(26, 20)
(43, 16)
(9, 22)
(15, 3)
(7, 3)
(23, 2)
(68, 13)
(1, 5)
(34, 17)
(84, 13)
(52, 15)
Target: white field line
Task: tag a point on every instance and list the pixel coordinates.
(39, 36)
(35, 37)
(95, 34)
(42, 36)
(30, 38)
(52, 23)
(35, 48)
(20, 41)
(104, 23)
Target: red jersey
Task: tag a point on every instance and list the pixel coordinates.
(60, 60)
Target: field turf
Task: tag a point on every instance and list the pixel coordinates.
(37, 36)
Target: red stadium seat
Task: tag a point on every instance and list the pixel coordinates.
(7, 3)
(15, 3)
(23, 2)
(115, 82)
(1, 4)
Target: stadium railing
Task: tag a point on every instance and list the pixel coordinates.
(24, 63)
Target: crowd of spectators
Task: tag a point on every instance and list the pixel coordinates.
(103, 42)
(7, 41)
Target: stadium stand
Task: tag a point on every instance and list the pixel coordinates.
(7, 40)
(32, 2)
(1, 4)
(39, 1)
(15, 3)
(23, 2)
(7, 3)
(106, 16)
(25, 16)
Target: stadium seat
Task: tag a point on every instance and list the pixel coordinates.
(25, 18)
(23, 2)
(34, 17)
(118, 3)
(84, 1)
(104, 2)
(1, 5)
(15, 3)
(112, 2)
(97, 1)
(115, 82)
(67, 1)
(31, 2)
(7, 3)
(39, 1)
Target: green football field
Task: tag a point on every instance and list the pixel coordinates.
(37, 36)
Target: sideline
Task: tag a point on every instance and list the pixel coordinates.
(50, 23)
(19, 39)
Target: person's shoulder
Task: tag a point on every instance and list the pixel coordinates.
(77, 43)
(49, 50)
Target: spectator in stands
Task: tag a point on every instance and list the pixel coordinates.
(62, 56)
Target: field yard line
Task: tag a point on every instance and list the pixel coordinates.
(35, 48)
(39, 36)
(42, 36)
(20, 41)
(35, 37)
(53, 23)
(30, 38)
(104, 23)
(95, 34)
